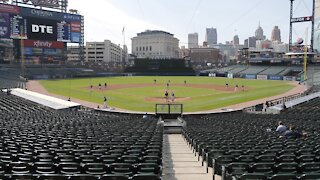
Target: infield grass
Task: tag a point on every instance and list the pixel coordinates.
(135, 98)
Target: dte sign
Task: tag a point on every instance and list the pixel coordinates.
(42, 29)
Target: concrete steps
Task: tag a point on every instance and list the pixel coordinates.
(179, 162)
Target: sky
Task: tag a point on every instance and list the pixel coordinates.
(106, 19)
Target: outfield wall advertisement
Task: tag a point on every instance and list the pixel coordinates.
(250, 76)
(275, 77)
(262, 77)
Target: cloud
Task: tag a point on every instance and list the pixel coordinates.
(105, 21)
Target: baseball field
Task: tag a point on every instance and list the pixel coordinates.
(142, 93)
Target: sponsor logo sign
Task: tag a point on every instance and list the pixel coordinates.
(43, 44)
(275, 77)
(6, 8)
(288, 78)
(72, 17)
(42, 29)
(75, 27)
(262, 77)
(38, 13)
(250, 76)
(301, 19)
(35, 28)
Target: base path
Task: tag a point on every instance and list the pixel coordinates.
(179, 162)
(299, 88)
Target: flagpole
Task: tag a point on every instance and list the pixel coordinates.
(123, 36)
(305, 58)
(123, 51)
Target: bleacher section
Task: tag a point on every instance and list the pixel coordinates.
(246, 146)
(254, 70)
(238, 69)
(290, 73)
(273, 70)
(225, 69)
(277, 108)
(39, 143)
(10, 78)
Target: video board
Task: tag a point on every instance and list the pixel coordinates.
(41, 51)
(37, 24)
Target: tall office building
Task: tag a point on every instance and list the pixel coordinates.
(276, 34)
(250, 42)
(236, 40)
(211, 36)
(193, 40)
(259, 33)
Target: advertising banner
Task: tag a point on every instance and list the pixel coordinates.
(250, 76)
(287, 78)
(72, 17)
(6, 8)
(75, 37)
(6, 43)
(272, 77)
(42, 14)
(4, 25)
(28, 51)
(43, 44)
(41, 29)
(230, 75)
(262, 77)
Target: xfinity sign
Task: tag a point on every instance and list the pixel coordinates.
(41, 29)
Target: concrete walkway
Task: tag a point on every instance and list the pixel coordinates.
(179, 162)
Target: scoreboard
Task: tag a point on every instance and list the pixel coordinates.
(28, 23)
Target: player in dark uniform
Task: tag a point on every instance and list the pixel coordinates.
(166, 94)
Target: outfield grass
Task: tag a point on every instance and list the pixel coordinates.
(201, 99)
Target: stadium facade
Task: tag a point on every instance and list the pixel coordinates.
(155, 44)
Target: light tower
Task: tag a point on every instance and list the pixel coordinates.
(301, 19)
(290, 30)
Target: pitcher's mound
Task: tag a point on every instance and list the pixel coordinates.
(163, 100)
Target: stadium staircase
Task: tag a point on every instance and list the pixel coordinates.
(180, 162)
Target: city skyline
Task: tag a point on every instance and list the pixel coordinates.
(105, 19)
